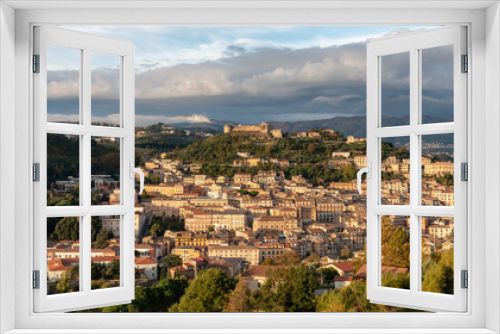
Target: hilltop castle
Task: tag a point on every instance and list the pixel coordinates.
(260, 130)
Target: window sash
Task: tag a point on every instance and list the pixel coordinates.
(412, 43)
(86, 297)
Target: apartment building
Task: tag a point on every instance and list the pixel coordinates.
(274, 224)
(250, 253)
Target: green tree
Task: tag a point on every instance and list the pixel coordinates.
(359, 259)
(112, 270)
(156, 230)
(96, 224)
(313, 258)
(209, 292)
(158, 298)
(285, 259)
(67, 228)
(288, 289)
(95, 270)
(239, 300)
(328, 273)
(351, 298)
(102, 238)
(171, 261)
(437, 273)
(400, 281)
(64, 285)
(395, 245)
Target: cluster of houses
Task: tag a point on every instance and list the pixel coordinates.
(236, 223)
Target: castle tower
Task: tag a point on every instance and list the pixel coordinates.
(265, 127)
(228, 128)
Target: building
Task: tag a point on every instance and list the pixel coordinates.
(198, 221)
(260, 130)
(341, 154)
(187, 252)
(255, 276)
(342, 281)
(329, 209)
(187, 238)
(276, 224)
(234, 220)
(112, 224)
(145, 250)
(343, 268)
(249, 253)
(441, 231)
(360, 161)
(439, 168)
(242, 178)
(147, 267)
(354, 140)
(140, 220)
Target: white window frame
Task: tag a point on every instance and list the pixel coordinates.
(484, 102)
(86, 44)
(413, 43)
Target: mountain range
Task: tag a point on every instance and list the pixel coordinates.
(351, 126)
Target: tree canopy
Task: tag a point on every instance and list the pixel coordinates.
(209, 292)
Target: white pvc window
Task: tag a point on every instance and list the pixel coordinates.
(426, 200)
(72, 260)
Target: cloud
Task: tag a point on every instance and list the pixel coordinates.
(63, 84)
(251, 83)
(62, 117)
(335, 100)
(140, 120)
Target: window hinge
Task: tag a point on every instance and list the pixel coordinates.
(36, 63)
(36, 279)
(36, 172)
(465, 279)
(465, 64)
(464, 168)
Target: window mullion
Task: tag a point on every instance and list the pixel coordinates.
(414, 168)
(86, 178)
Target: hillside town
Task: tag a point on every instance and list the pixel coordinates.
(240, 223)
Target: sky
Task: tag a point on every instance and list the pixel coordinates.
(243, 74)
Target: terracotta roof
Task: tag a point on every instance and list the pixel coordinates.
(258, 270)
(143, 246)
(339, 278)
(63, 250)
(144, 260)
(344, 266)
(60, 264)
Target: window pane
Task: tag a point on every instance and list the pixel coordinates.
(437, 170)
(63, 170)
(105, 89)
(395, 250)
(105, 256)
(437, 254)
(63, 84)
(395, 72)
(395, 171)
(63, 255)
(437, 84)
(105, 171)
